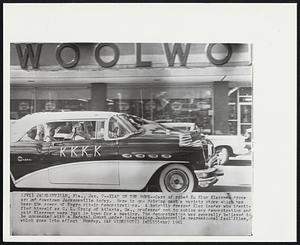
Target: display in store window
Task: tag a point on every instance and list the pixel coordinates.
(50, 106)
(165, 103)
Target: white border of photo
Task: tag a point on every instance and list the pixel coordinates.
(271, 28)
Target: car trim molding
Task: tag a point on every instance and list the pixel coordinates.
(155, 164)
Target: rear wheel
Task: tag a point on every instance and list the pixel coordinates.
(223, 155)
(176, 178)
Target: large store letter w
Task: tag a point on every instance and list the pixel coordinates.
(177, 49)
(28, 53)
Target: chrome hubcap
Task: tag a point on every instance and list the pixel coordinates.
(176, 181)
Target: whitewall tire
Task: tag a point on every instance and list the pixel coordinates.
(176, 178)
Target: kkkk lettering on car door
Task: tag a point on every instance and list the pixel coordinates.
(80, 151)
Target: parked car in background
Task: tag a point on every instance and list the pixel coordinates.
(107, 150)
(225, 145)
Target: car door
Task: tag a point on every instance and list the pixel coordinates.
(85, 162)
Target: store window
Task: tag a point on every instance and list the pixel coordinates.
(164, 103)
(240, 110)
(25, 100)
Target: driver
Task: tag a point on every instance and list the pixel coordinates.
(113, 128)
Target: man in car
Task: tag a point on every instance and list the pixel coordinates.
(50, 137)
(80, 133)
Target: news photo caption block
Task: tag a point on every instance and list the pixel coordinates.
(130, 213)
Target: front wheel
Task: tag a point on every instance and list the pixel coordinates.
(176, 178)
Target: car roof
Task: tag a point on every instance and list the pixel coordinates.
(69, 115)
(21, 126)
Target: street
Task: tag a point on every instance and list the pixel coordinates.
(237, 177)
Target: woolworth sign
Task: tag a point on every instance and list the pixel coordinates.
(33, 52)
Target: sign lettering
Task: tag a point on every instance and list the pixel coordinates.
(62, 151)
(139, 62)
(60, 60)
(114, 60)
(73, 153)
(96, 152)
(80, 151)
(178, 50)
(29, 54)
(83, 152)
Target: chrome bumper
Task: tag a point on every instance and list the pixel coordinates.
(207, 177)
(214, 160)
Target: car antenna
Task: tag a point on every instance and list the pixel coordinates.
(141, 96)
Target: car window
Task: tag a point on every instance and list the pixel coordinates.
(116, 129)
(30, 135)
(36, 133)
(100, 129)
(70, 130)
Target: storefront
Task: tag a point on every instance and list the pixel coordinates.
(210, 85)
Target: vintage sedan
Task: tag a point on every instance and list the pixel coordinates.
(106, 150)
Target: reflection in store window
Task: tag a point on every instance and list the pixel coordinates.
(232, 127)
(62, 105)
(20, 108)
(165, 104)
(26, 100)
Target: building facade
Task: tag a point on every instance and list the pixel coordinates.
(208, 84)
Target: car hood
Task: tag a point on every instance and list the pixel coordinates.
(150, 133)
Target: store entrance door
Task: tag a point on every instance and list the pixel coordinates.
(245, 117)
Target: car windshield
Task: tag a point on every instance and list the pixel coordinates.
(144, 124)
(129, 123)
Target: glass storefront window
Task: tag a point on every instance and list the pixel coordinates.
(20, 108)
(26, 100)
(232, 127)
(165, 104)
(62, 105)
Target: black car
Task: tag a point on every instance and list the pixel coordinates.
(107, 150)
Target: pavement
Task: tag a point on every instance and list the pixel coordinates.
(237, 176)
(247, 157)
